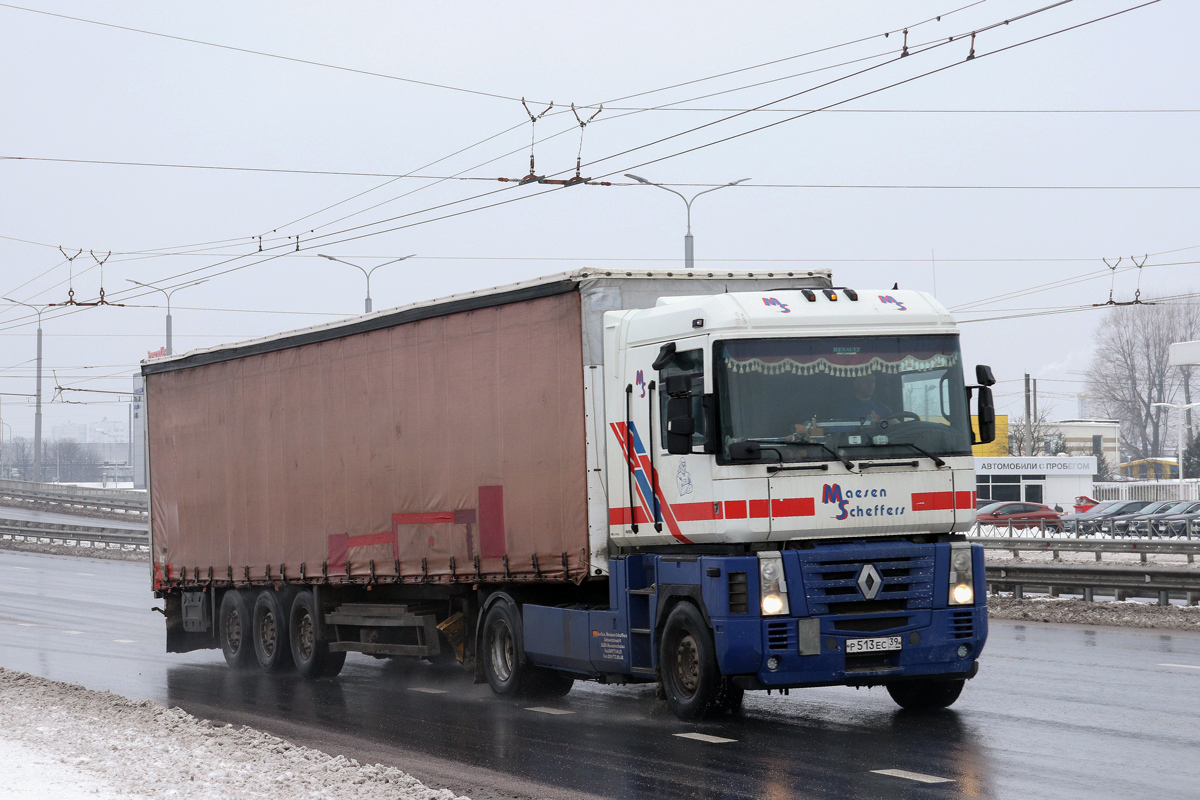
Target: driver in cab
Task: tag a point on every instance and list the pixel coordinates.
(862, 405)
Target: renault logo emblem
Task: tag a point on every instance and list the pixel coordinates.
(869, 581)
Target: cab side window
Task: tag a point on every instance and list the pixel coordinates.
(689, 363)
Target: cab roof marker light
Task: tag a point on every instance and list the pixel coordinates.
(850, 293)
(809, 295)
(830, 293)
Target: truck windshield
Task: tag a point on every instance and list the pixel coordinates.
(861, 397)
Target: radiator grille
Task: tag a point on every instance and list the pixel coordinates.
(739, 598)
(831, 578)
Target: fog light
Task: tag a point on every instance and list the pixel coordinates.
(773, 663)
(772, 604)
(964, 651)
(963, 594)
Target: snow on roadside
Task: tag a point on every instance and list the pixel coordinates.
(105, 746)
(1128, 614)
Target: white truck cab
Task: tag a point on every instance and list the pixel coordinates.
(769, 416)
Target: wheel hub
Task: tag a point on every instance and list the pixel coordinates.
(503, 651)
(687, 665)
(266, 633)
(304, 636)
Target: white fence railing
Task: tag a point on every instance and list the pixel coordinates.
(1147, 490)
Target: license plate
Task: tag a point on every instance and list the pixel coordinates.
(881, 644)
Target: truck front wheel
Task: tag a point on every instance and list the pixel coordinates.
(311, 655)
(270, 632)
(925, 694)
(235, 630)
(687, 660)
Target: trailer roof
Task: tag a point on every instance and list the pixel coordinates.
(545, 286)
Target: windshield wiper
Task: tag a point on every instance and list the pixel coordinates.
(847, 463)
(939, 463)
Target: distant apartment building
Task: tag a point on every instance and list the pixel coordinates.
(106, 431)
(1091, 437)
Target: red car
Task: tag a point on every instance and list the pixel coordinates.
(1022, 515)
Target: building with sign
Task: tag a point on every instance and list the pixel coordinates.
(1048, 480)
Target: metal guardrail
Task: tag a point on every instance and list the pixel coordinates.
(1144, 547)
(78, 496)
(51, 533)
(1122, 582)
(982, 532)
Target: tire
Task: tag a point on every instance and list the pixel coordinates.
(687, 660)
(502, 651)
(270, 633)
(234, 627)
(925, 694)
(311, 655)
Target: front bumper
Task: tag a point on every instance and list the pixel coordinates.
(929, 647)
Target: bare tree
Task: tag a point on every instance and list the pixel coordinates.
(1047, 438)
(1129, 372)
(18, 458)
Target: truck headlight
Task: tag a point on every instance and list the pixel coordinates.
(772, 585)
(962, 574)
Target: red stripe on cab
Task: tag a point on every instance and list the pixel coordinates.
(933, 501)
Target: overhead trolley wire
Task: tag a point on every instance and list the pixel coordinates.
(249, 51)
(738, 135)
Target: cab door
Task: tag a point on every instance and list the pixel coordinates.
(671, 494)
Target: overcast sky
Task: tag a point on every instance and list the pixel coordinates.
(77, 90)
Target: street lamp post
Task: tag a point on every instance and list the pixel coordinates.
(37, 415)
(367, 273)
(170, 349)
(1180, 407)
(688, 249)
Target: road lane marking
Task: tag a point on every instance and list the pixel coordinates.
(704, 737)
(545, 710)
(27, 569)
(912, 776)
(1181, 666)
(125, 641)
(426, 691)
(25, 625)
(72, 633)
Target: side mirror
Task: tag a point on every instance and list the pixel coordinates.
(680, 426)
(987, 414)
(666, 354)
(983, 375)
(745, 451)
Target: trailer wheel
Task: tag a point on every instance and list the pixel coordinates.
(270, 633)
(926, 694)
(502, 651)
(687, 660)
(311, 655)
(235, 630)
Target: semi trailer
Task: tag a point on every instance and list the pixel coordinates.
(717, 482)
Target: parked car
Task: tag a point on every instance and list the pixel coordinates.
(1021, 515)
(1102, 523)
(1179, 523)
(1073, 523)
(1138, 522)
(1086, 523)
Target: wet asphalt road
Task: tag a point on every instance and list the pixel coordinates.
(1058, 711)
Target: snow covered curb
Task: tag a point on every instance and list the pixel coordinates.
(1126, 614)
(110, 553)
(145, 750)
